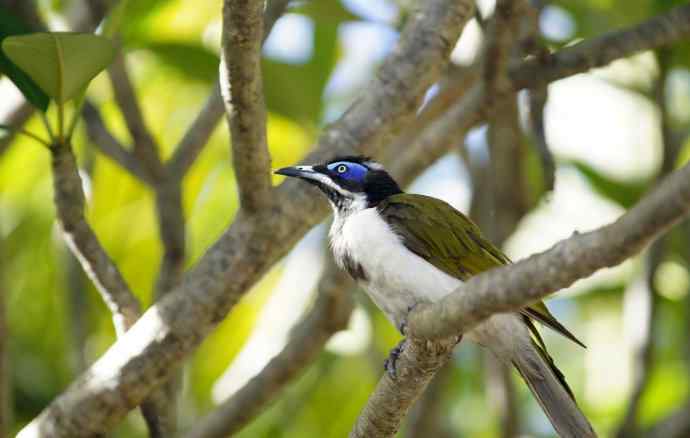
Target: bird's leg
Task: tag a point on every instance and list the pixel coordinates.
(403, 322)
(389, 363)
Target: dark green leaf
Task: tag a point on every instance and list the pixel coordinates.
(10, 25)
(194, 61)
(625, 193)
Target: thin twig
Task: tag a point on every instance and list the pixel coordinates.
(145, 148)
(197, 135)
(662, 30)
(110, 146)
(242, 89)
(16, 118)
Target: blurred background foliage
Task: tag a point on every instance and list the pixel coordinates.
(603, 127)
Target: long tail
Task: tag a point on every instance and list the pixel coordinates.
(552, 392)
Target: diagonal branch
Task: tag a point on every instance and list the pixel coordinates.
(662, 30)
(70, 204)
(242, 89)
(17, 117)
(172, 328)
(330, 314)
(196, 136)
(110, 146)
(145, 148)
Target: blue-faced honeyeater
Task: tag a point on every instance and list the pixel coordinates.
(406, 249)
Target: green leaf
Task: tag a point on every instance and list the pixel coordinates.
(10, 25)
(194, 61)
(303, 99)
(625, 193)
(62, 63)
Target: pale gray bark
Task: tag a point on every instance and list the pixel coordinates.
(242, 89)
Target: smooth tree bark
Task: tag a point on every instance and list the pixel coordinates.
(242, 90)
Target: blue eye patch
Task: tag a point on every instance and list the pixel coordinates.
(348, 170)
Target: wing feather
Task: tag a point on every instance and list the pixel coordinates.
(450, 241)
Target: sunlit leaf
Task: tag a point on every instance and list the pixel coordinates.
(62, 63)
(10, 25)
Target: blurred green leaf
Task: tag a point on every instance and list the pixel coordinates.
(113, 21)
(193, 61)
(332, 12)
(137, 15)
(62, 63)
(301, 98)
(625, 193)
(10, 25)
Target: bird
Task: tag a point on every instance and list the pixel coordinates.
(404, 249)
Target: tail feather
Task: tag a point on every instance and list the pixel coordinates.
(552, 392)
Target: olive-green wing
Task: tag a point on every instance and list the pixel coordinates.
(450, 241)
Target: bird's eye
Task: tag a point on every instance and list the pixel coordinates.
(341, 169)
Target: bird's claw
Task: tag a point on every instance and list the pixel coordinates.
(390, 363)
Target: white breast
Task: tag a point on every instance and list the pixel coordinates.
(396, 278)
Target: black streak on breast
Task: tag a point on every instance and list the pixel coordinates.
(355, 270)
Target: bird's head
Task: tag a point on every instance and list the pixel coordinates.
(350, 183)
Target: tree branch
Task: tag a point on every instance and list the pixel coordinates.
(659, 31)
(174, 327)
(110, 146)
(426, 417)
(506, 146)
(17, 117)
(390, 401)
(197, 135)
(330, 314)
(145, 148)
(242, 89)
(69, 205)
